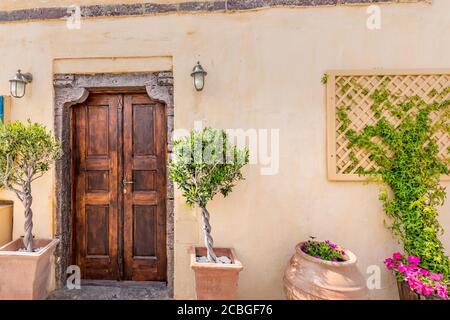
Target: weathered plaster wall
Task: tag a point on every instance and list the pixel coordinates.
(6, 215)
(232, 4)
(27, 4)
(264, 71)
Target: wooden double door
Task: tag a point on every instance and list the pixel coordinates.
(119, 187)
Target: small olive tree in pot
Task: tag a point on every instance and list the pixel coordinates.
(204, 164)
(26, 153)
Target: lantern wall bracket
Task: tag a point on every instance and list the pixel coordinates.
(28, 77)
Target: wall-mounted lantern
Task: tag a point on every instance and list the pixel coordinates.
(19, 84)
(198, 73)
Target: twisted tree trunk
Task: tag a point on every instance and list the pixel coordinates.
(27, 201)
(209, 242)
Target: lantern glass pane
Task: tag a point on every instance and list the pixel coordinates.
(199, 81)
(17, 89)
(13, 90)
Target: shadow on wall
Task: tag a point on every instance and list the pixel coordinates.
(6, 221)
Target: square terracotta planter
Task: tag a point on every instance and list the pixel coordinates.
(24, 275)
(216, 281)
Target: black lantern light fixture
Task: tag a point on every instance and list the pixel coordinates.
(19, 84)
(198, 73)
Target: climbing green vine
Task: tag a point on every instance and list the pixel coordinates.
(408, 162)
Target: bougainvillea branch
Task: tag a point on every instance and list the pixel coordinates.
(408, 161)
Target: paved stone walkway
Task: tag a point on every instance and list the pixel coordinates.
(114, 291)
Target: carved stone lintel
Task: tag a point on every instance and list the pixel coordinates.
(68, 96)
(160, 93)
(63, 80)
(165, 79)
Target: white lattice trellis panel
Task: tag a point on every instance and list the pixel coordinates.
(352, 90)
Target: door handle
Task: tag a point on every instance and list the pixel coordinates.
(125, 182)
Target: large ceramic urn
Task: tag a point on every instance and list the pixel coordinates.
(310, 278)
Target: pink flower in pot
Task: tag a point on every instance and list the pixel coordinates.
(389, 263)
(427, 290)
(437, 277)
(414, 260)
(397, 256)
(442, 291)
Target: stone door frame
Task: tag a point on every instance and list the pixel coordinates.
(72, 89)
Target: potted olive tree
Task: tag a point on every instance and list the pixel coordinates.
(204, 164)
(26, 153)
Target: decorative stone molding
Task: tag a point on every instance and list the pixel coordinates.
(139, 9)
(71, 89)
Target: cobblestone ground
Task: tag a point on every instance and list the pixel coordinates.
(114, 291)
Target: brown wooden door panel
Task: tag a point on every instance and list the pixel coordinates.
(145, 200)
(96, 175)
(119, 230)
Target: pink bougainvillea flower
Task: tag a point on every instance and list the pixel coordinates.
(436, 276)
(427, 290)
(402, 268)
(424, 272)
(417, 278)
(415, 284)
(389, 263)
(397, 256)
(411, 271)
(442, 291)
(414, 260)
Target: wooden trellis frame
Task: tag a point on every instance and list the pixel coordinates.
(352, 89)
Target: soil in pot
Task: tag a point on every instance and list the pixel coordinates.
(221, 259)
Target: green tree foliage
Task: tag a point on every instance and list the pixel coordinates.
(408, 161)
(26, 153)
(206, 163)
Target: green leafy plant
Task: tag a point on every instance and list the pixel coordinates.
(324, 250)
(26, 153)
(408, 162)
(204, 164)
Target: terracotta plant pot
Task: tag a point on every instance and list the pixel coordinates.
(216, 281)
(309, 278)
(406, 293)
(24, 275)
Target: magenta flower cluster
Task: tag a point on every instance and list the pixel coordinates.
(420, 280)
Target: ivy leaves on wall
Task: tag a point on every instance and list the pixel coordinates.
(406, 154)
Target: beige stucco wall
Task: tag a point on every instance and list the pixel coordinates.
(264, 71)
(6, 221)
